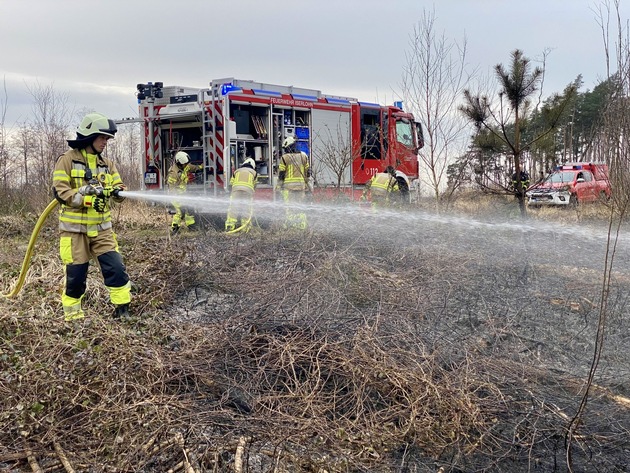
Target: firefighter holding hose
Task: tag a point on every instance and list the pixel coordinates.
(240, 210)
(85, 183)
(179, 175)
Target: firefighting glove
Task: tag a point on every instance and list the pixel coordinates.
(99, 203)
(95, 201)
(107, 192)
(112, 191)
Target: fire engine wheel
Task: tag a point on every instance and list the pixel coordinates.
(573, 201)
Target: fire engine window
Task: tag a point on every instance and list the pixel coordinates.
(404, 133)
(586, 175)
(370, 142)
(385, 128)
(182, 138)
(370, 134)
(558, 177)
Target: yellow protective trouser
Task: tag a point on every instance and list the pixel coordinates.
(379, 201)
(182, 215)
(295, 216)
(241, 208)
(76, 250)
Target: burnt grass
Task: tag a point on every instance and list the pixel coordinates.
(372, 344)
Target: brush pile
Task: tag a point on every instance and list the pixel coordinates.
(281, 351)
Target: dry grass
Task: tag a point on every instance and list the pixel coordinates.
(482, 205)
(280, 352)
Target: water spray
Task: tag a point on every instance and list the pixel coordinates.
(399, 228)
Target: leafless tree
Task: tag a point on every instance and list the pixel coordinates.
(126, 151)
(613, 144)
(23, 145)
(50, 123)
(434, 78)
(334, 157)
(4, 152)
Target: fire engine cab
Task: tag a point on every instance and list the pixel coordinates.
(347, 141)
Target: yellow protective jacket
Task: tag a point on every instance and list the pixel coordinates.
(381, 184)
(244, 180)
(296, 171)
(177, 179)
(72, 171)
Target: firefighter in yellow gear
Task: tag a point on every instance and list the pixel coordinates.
(243, 184)
(380, 188)
(525, 182)
(404, 194)
(293, 182)
(85, 183)
(177, 179)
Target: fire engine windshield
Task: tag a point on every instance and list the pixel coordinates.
(404, 132)
(560, 177)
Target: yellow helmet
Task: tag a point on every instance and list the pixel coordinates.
(96, 124)
(182, 158)
(92, 125)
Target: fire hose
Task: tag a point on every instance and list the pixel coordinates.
(85, 190)
(245, 226)
(29, 251)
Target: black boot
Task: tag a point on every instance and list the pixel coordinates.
(122, 312)
(174, 229)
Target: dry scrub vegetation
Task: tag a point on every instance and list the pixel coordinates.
(312, 352)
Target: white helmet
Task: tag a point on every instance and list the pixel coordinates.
(250, 162)
(288, 141)
(182, 158)
(403, 176)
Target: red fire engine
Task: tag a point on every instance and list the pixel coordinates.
(347, 141)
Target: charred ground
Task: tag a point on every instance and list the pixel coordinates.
(426, 345)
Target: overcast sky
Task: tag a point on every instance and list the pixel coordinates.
(96, 51)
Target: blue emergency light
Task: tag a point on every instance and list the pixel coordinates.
(228, 87)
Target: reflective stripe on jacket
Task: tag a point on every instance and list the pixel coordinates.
(295, 166)
(178, 179)
(244, 179)
(73, 170)
(383, 183)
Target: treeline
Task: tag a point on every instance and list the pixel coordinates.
(567, 126)
(30, 148)
(482, 131)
